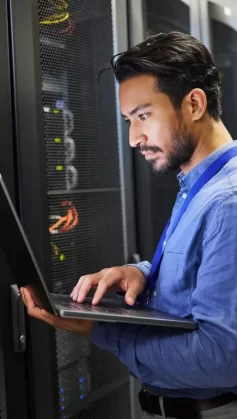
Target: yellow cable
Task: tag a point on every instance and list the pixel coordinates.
(63, 4)
(54, 19)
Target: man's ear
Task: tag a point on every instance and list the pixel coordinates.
(195, 103)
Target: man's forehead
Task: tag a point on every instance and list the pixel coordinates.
(144, 83)
(140, 92)
(136, 92)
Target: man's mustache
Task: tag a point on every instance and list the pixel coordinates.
(152, 149)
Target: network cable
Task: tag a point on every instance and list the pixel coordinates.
(56, 18)
(67, 222)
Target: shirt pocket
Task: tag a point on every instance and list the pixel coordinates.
(173, 290)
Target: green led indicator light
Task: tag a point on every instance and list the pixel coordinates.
(59, 168)
(57, 140)
(62, 257)
(56, 111)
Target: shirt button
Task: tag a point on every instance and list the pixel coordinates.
(184, 195)
(154, 293)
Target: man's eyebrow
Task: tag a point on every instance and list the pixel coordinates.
(138, 108)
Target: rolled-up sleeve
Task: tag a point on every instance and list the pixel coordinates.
(144, 267)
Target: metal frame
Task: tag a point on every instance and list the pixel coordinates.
(194, 18)
(144, 230)
(137, 23)
(204, 21)
(29, 123)
(12, 366)
(206, 7)
(120, 44)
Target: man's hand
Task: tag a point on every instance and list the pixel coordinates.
(83, 327)
(127, 278)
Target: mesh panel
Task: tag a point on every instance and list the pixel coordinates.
(87, 378)
(93, 244)
(107, 407)
(84, 194)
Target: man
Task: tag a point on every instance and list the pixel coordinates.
(170, 96)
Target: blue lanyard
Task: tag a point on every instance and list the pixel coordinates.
(211, 171)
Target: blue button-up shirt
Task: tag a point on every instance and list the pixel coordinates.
(198, 278)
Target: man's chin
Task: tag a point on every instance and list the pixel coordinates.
(157, 167)
(162, 169)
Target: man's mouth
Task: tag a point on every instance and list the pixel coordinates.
(149, 154)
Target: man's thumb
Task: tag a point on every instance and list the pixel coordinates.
(134, 289)
(130, 297)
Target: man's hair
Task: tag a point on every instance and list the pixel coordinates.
(179, 61)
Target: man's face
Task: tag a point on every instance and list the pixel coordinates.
(162, 133)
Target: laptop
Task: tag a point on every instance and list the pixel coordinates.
(26, 273)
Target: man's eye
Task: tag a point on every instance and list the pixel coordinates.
(143, 116)
(127, 121)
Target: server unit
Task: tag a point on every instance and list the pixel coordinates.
(70, 165)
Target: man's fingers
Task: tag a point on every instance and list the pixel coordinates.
(106, 283)
(76, 289)
(134, 289)
(33, 310)
(84, 286)
(28, 300)
(22, 295)
(129, 279)
(83, 327)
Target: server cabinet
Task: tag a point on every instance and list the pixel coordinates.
(219, 33)
(75, 183)
(155, 196)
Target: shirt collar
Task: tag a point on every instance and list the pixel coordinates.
(191, 177)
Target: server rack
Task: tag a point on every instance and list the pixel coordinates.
(74, 180)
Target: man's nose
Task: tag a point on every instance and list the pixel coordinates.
(136, 136)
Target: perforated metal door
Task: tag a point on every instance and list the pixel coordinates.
(84, 191)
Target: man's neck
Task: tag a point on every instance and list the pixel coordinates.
(214, 136)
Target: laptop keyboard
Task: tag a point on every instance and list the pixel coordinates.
(61, 298)
(66, 299)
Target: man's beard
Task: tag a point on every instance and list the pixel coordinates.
(182, 149)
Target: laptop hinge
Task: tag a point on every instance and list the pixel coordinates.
(18, 320)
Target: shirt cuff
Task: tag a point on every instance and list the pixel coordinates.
(144, 267)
